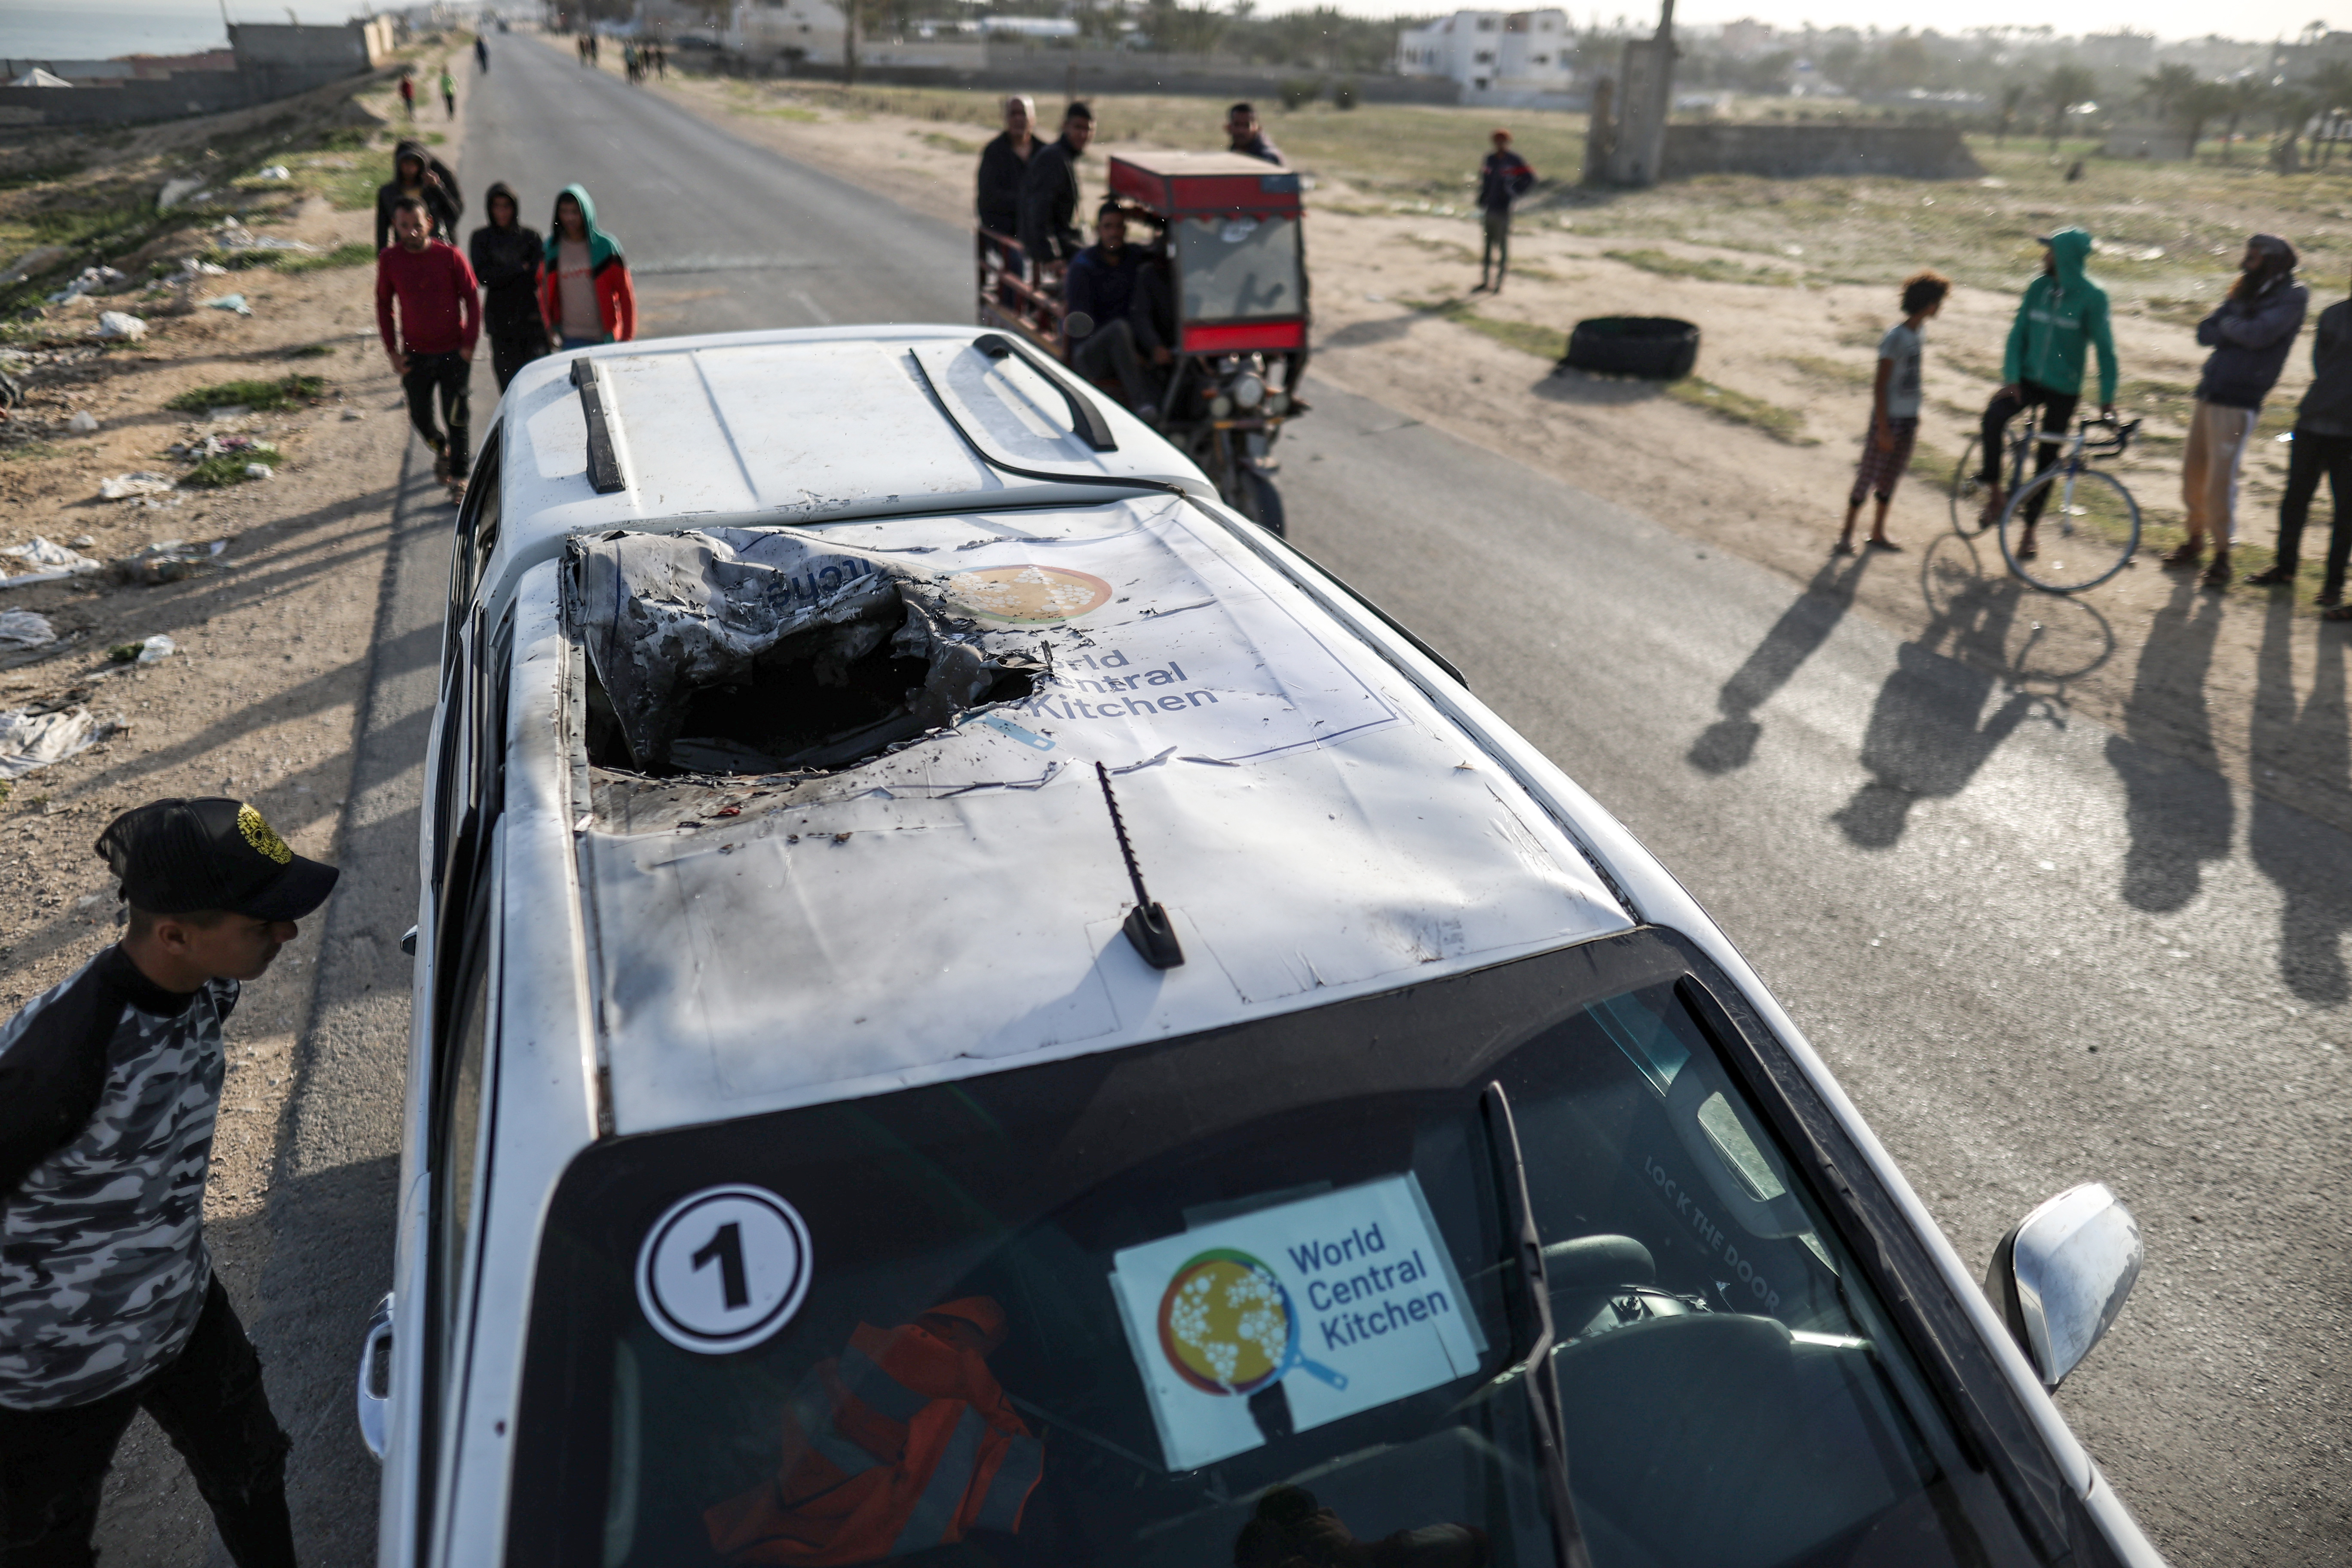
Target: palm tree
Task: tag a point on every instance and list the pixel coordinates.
(2062, 89)
(2011, 97)
(2247, 95)
(2160, 89)
(2203, 103)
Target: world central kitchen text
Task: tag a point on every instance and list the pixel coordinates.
(1352, 1272)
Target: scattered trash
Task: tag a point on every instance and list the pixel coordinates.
(232, 234)
(89, 281)
(21, 629)
(258, 471)
(274, 172)
(122, 486)
(48, 562)
(30, 740)
(169, 560)
(82, 541)
(82, 423)
(176, 191)
(149, 650)
(219, 446)
(117, 325)
(353, 414)
(230, 302)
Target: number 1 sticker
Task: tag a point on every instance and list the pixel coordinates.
(724, 1268)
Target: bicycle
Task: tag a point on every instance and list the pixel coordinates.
(2096, 521)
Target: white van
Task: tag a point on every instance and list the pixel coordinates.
(973, 1008)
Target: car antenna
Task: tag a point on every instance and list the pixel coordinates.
(1147, 924)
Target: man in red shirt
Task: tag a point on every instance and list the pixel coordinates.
(432, 350)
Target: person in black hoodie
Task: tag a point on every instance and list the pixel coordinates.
(1049, 196)
(417, 172)
(509, 259)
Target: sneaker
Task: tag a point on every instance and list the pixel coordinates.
(2273, 577)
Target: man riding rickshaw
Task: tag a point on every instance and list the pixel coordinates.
(1190, 307)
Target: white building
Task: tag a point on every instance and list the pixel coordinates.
(1493, 54)
(793, 29)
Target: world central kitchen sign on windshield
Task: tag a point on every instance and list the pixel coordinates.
(1347, 1299)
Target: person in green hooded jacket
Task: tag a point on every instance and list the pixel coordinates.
(2063, 313)
(587, 296)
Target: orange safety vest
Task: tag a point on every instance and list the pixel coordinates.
(904, 1441)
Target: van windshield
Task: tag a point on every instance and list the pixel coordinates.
(1245, 1297)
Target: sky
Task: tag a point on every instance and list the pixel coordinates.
(70, 27)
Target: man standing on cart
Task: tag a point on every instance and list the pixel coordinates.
(1049, 196)
(1003, 166)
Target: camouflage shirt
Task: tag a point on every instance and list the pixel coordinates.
(109, 1088)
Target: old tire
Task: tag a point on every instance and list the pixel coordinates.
(1658, 348)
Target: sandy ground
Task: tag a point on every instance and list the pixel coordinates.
(260, 701)
(2146, 653)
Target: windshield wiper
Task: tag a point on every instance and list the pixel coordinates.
(1536, 1372)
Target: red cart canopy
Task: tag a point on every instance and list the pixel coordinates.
(1182, 184)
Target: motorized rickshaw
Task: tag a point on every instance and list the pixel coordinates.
(1225, 230)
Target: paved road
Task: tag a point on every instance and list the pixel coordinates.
(2038, 951)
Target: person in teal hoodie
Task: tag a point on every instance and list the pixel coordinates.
(586, 295)
(2063, 313)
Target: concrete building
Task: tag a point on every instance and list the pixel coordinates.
(764, 31)
(1497, 56)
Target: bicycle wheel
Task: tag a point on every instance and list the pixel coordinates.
(2089, 528)
(1966, 492)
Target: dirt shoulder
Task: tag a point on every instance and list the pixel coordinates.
(274, 638)
(1757, 453)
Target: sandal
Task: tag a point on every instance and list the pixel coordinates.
(1843, 547)
(2026, 549)
(2217, 575)
(2184, 558)
(2272, 577)
(1886, 545)
(2340, 613)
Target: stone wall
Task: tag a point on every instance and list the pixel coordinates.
(273, 61)
(1793, 152)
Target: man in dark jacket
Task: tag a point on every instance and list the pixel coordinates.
(417, 172)
(109, 1087)
(507, 259)
(1243, 135)
(1003, 165)
(1111, 330)
(2250, 335)
(2322, 444)
(1049, 196)
(1503, 178)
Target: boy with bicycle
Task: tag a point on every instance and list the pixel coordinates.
(2063, 313)
(1894, 409)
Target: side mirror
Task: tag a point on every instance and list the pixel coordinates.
(2060, 1277)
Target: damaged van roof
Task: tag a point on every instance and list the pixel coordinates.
(1314, 824)
(797, 425)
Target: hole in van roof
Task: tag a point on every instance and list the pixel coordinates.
(738, 651)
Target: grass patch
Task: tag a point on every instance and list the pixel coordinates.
(947, 143)
(1707, 269)
(218, 473)
(30, 451)
(357, 253)
(1836, 372)
(262, 396)
(1527, 337)
(1786, 425)
(311, 350)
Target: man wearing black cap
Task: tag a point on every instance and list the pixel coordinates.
(108, 1087)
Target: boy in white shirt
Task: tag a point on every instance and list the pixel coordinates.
(1894, 409)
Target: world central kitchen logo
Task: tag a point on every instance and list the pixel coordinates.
(1228, 1324)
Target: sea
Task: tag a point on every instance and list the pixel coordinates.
(105, 30)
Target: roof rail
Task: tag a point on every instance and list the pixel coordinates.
(604, 462)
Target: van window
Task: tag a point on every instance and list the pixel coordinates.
(476, 535)
(1250, 1297)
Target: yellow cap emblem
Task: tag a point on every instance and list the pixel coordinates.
(262, 837)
